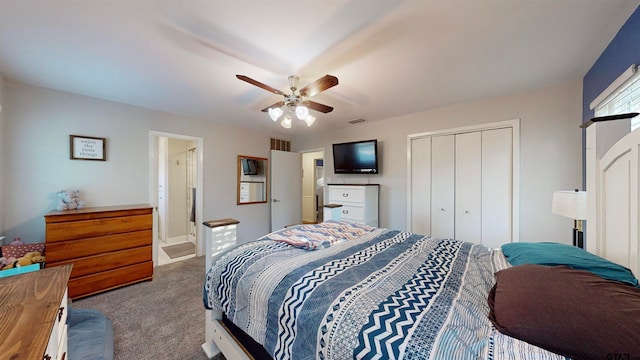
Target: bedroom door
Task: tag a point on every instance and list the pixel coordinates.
(286, 189)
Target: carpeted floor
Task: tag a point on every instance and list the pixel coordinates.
(158, 319)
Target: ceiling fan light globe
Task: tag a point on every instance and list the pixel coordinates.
(302, 112)
(309, 120)
(275, 113)
(286, 122)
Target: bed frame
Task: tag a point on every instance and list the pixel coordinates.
(613, 211)
(613, 183)
(220, 235)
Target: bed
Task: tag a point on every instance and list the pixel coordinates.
(341, 290)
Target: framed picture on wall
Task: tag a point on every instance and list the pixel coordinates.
(87, 148)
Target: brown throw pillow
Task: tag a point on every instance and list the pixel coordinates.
(570, 312)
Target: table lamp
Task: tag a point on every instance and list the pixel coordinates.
(572, 204)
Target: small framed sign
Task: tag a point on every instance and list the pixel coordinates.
(87, 148)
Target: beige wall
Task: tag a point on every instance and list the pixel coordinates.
(35, 147)
(550, 152)
(3, 150)
(35, 150)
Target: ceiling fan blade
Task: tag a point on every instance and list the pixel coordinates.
(319, 85)
(317, 106)
(278, 104)
(260, 85)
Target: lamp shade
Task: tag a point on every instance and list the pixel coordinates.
(275, 113)
(286, 122)
(309, 120)
(571, 204)
(302, 112)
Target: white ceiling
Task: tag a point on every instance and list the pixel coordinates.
(391, 57)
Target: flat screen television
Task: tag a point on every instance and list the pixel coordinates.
(249, 166)
(357, 157)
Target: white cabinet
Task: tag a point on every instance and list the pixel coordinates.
(462, 186)
(359, 203)
(220, 235)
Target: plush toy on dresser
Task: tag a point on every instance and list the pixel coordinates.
(69, 200)
(34, 257)
(18, 254)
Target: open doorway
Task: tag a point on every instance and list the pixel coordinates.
(176, 192)
(312, 186)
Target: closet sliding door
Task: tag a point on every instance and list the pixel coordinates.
(468, 187)
(433, 167)
(497, 187)
(443, 179)
(420, 172)
(461, 185)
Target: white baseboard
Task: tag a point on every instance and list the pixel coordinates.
(177, 239)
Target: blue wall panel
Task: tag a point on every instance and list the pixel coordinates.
(623, 51)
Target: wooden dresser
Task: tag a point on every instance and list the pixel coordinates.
(33, 315)
(109, 246)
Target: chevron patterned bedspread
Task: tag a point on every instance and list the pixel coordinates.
(383, 295)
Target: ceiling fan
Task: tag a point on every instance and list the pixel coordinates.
(295, 103)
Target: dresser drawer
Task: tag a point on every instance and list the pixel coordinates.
(62, 314)
(95, 283)
(107, 261)
(341, 194)
(62, 350)
(57, 345)
(354, 213)
(63, 231)
(73, 249)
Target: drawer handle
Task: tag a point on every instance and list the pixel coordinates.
(345, 194)
(46, 357)
(60, 312)
(345, 211)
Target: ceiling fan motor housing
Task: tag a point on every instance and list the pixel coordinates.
(293, 83)
(292, 100)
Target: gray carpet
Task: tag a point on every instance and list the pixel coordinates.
(158, 319)
(178, 250)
